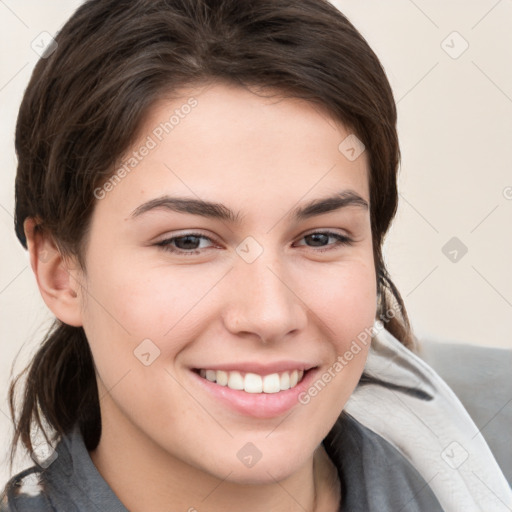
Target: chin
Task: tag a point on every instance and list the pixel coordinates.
(254, 467)
(261, 474)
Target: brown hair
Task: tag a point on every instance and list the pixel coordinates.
(86, 101)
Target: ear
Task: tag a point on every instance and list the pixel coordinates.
(57, 277)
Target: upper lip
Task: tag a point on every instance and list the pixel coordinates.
(259, 368)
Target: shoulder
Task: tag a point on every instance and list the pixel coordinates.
(25, 492)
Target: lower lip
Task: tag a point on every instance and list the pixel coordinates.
(258, 405)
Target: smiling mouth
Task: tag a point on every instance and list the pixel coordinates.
(252, 382)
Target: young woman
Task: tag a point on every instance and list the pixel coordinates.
(204, 188)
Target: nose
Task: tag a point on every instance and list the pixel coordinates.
(263, 300)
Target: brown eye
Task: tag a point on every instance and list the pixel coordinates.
(317, 239)
(185, 244)
(321, 239)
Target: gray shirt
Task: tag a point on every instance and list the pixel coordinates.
(374, 477)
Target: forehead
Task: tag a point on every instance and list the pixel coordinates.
(239, 146)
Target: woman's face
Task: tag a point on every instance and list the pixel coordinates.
(207, 261)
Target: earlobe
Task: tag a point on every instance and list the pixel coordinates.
(56, 278)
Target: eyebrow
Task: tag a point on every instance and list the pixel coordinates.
(219, 211)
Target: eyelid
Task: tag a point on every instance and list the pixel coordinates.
(326, 231)
(185, 233)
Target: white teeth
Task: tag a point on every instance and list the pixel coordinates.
(271, 383)
(294, 377)
(221, 378)
(235, 380)
(284, 383)
(252, 382)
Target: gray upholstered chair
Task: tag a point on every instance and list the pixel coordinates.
(481, 377)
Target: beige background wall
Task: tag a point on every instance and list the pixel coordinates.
(455, 123)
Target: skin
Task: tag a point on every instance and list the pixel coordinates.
(166, 443)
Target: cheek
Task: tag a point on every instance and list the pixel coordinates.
(142, 302)
(132, 323)
(346, 304)
(131, 312)
(345, 300)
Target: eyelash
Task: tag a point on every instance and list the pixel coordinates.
(166, 244)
